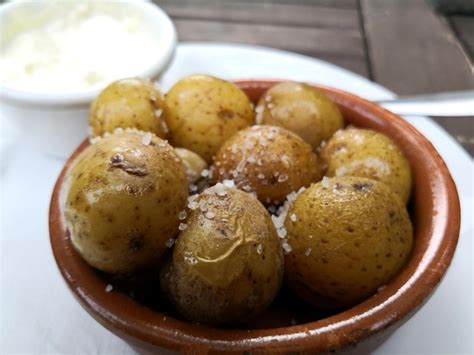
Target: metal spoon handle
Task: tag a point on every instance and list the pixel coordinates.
(449, 104)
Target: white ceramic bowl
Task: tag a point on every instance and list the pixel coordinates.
(56, 123)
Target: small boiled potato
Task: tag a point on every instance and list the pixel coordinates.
(123, 198)
(348, 237)
(128, 103)
(204, 111)
(270, 161)
(227, 263)
(367, 153)
(301, 109)
(193, 164)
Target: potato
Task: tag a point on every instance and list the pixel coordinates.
(204, 111)
(227, 263)
(128, 103)
(270, 161)
(301, 109)
(367, 153)
(348, 236)
(123, 197)
(193, 164)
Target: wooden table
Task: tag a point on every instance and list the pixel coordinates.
(401, 44)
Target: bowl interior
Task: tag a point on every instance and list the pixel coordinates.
(289, 324)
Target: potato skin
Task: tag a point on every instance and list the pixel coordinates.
(122, 201)
(204, 111)
(193, 164)
(349, 236)
(302, 109)
(227, 268)
(128, 103)
(367, 153)
(268, 160)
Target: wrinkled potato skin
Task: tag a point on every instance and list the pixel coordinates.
(301, 109)
(123, 200)
(204, 111)
(128, 103)
(272, 151)
(367, 153)
(193, 164)
(360, 236)
(229, 281)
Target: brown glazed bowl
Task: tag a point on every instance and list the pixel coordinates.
(289, 325)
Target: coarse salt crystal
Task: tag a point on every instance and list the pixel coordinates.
(190, 260)
(286, 247)
(205, 173)
(260, 249)
(182, 226)
(109, 288)
(277, 221)
(221, 192)
(158, 112)
(307, 252)
(282, 232)
(146, 139)
(229, 183)
(169, 243)
(293, 217)
(182, 215)
(325, 182)
(282, 178)
(247, 188)
(193, 187)
(261, 176)
(286, 161)
(193, 205)
(203, 205)
(210, 214)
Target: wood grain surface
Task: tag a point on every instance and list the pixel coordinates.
(401, 44)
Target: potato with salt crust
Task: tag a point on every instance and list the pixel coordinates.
(302, 109)
(204, 111)
(128, 103)
(270, 161)
(227, 264)
(348, 237)
(193, 164)
(123, 196)
(367, 153)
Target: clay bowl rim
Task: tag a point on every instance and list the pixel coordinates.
(437, 224)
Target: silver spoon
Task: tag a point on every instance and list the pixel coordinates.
(448, 104)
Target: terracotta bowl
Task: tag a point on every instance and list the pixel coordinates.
(289, 325)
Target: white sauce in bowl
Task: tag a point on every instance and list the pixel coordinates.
(69, 47)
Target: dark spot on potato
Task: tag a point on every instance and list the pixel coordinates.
(225, 114)
(364, 187)
(136, 241)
